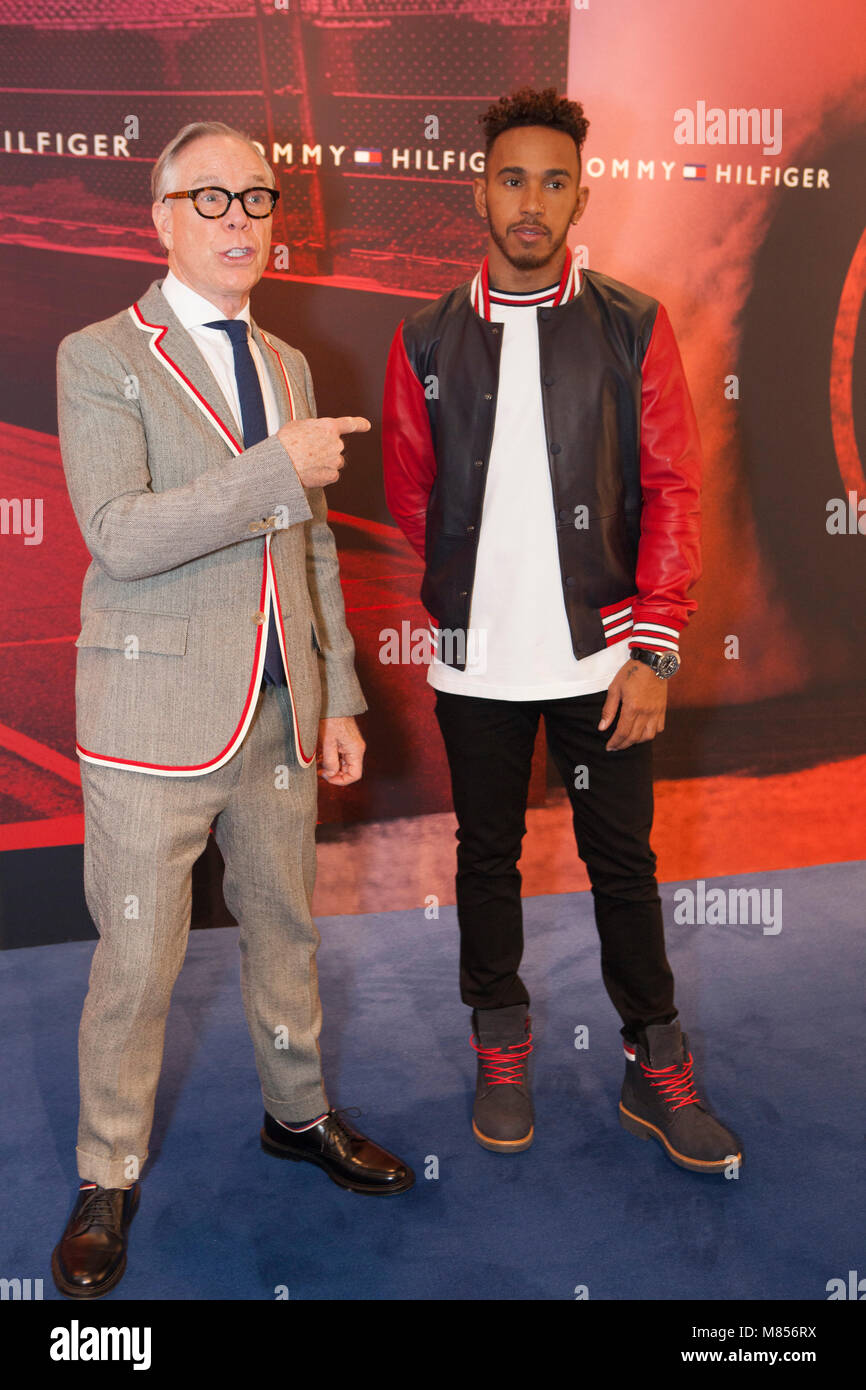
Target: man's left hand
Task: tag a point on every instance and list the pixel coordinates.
(644, 699)
(341, 758)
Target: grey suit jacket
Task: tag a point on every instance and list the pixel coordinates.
(192, 539)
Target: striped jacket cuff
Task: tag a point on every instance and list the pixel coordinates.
(655, 637)
(619, 621)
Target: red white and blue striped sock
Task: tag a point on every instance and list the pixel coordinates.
(307, 1124)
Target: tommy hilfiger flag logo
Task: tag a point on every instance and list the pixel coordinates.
(697, 172)
(368, 156)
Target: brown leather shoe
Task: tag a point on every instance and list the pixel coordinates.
(90, 1258)
(348, 1157)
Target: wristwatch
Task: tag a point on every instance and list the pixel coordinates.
(664, 664)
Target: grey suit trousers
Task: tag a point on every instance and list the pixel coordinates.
(142, 836)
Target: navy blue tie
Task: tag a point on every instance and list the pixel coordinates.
(255, 427)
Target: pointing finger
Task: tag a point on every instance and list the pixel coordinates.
(352, 424)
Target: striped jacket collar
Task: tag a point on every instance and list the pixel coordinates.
(569, 286)
(175, 350)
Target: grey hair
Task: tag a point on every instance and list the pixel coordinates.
(161, 174)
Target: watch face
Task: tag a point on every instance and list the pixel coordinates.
(668, 665)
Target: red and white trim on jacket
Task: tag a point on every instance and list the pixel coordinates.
(184, 382)
(657, 637)
(289, 391)
(268, 596)
(569, 286)
(618, 621)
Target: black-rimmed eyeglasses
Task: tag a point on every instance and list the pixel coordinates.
(215, 202)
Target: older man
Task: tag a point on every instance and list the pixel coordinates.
(213, 649)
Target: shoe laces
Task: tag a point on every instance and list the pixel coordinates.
(344, 1127)
(342, 1137)
(675, 1083)
(353, 1110)
(99, 1209)
(503, 1066)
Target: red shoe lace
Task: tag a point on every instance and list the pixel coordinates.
(675, 1083)
(503, 1066)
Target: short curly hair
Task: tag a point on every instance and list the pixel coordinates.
(529, 107)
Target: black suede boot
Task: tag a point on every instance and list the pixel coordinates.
(659, 1101)
(502, 1118)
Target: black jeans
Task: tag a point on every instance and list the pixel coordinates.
(489, 745)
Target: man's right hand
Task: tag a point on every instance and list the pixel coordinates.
(316, 447)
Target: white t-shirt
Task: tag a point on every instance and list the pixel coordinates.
(518, 646)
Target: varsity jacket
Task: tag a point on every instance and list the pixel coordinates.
(623, 452)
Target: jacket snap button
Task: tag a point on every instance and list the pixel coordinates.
(469, 530)
(549, 380)
(556, 448)
(464, 593)
(488, 395)
(258, 618)
(564, 514)
(570, 581)
(479, 463)
(254, 526)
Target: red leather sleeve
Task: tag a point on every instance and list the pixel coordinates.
(409, 460)
(669, 555)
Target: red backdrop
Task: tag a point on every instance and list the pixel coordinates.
(759, 258)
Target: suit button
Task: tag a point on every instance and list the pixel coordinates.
(488, 395)
(469, 530)
(556, 448)
(549, 380)
(570, 581)
(464, 593)
(258, 618)
(479, 463)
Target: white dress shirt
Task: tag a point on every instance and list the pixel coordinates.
(215, 345)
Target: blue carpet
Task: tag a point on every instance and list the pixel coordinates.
(775, 1023)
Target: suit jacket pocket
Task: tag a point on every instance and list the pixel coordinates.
(315, 643)
(164, 633)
